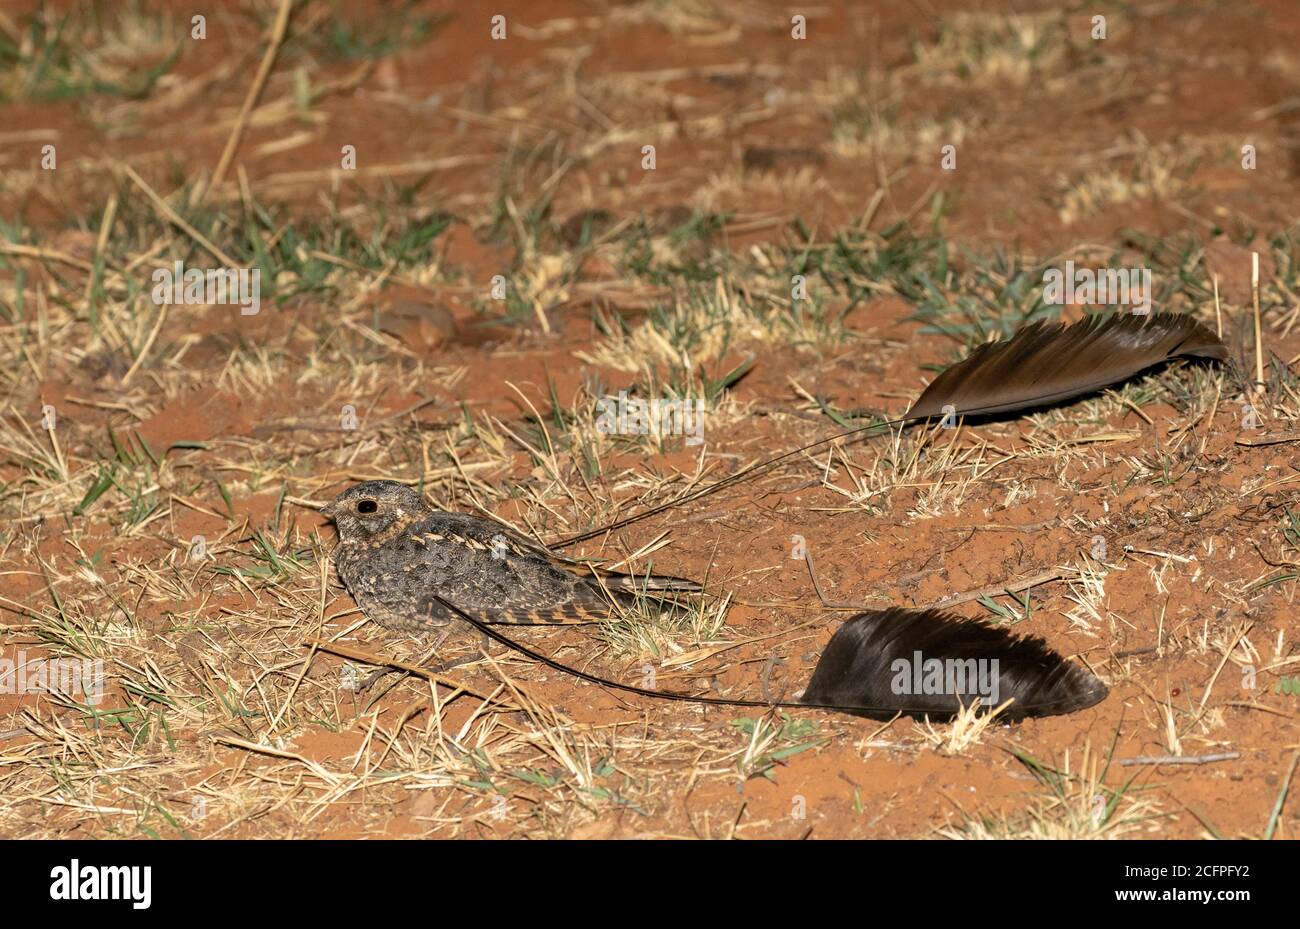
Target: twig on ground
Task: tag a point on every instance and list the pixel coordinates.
(1180, 759)
(1009, 588)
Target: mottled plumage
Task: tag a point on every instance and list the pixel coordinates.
(397, 556)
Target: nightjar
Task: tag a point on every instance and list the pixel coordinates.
(397, 556)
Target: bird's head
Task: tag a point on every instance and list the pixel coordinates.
(371, 507)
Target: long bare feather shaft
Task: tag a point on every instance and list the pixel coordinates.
(743, 474)
(855, 673)
(1040, 365)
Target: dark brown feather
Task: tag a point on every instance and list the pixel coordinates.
(873, 662)
(1047, 363)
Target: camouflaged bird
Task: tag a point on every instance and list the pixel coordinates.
(398, 556)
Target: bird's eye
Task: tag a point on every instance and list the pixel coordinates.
(367, 506)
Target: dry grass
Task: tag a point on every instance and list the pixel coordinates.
(162, 523)
(1072, 804)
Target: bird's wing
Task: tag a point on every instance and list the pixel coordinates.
(480, 534)
(490, 577)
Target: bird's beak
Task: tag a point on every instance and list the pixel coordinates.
(328, 509)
